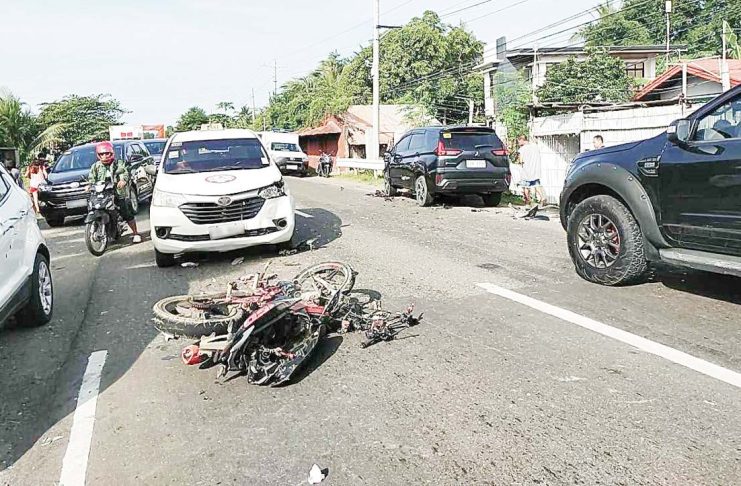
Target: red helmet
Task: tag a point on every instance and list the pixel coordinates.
(105, 147)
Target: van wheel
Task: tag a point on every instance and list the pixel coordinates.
(163, 260)
(39, 309)
(421, 192)
(606, 243)
(492, 200)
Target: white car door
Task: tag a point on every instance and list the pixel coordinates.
(14, 207)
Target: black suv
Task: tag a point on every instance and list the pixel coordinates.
(65, 192)
(448, 161)
(674, 198)
(155, 147)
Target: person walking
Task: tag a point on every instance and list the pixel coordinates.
(529, 155)
(36, 174)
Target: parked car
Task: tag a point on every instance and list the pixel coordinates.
(65, 193)
(284, 149)
(26, 288)
(155, 146)
(453, 161)
(218, 191)
(674, 198)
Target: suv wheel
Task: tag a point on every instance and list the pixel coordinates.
(390, 190)
(163, 259)
(134, 197)
(421, 192)
(606, 243)
(39, 309)
(492, 200)
(54, 221)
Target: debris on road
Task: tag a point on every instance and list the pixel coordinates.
(380, 193)
(189, 264)
(237, 261)
(51, 440)
(524, 214)
(267, 331)
(476, 210)
(317, 474)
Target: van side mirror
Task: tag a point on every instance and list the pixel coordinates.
(678, 132)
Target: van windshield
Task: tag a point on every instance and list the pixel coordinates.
(215, 155)
(470, 140)
(79, 159)
(284, 147)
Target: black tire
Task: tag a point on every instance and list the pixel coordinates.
(167, 320)
(422, 192)
(492, 200)
(134, 198)
(163, 260)
(630, 265)
(37, 312)
(390, 190)
(54, 221)
(96, 251)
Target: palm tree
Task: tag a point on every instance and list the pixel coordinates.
(20, 129)
(225, 106)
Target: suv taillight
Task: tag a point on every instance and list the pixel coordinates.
(501, 152)
(446, 152)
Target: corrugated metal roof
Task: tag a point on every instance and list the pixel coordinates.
(708, 69)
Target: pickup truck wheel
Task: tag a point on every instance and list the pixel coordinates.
(421, 192)
(606, 243)
(39, 308)
(390, 190)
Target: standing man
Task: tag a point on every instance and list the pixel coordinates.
(598, 142)
(107, 168)
(531, 172)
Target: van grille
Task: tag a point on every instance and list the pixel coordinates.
(212, 213)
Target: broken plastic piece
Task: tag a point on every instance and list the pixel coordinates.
(238, 261)
(317, 475)
(189, 264)
(191, 355)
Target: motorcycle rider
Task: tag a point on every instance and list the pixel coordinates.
(108, 168)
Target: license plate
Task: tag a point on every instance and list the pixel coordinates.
(77, 203)
(226, 230)
(476, 164)
(292, 167)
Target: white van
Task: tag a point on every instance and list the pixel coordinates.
(218, 191)
(286, 152)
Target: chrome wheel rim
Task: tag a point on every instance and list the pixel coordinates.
(598, 241)
(98, 235)
(46, 295)
(421, 190)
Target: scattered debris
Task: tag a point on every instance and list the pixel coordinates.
(104, 313)
(237, 261)
(380, 193)
(168, 336)
(189, 264)
(524, 213)
(477, 210)
(51, 440)
(307, 245)
(317, 474)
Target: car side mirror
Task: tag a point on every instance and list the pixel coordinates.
(387, 156)
(136, 158)
(150, 170)
(678, 132)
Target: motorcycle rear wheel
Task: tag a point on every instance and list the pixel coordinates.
(175, 315)
(96, 237)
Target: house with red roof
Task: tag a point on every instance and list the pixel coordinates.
(703, 81)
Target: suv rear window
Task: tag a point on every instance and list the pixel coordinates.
(215, 155)
(466, 140)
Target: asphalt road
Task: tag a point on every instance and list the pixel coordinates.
(485, 391)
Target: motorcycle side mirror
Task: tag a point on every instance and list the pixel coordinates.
(150, 169)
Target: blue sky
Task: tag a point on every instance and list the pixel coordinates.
(159, 57)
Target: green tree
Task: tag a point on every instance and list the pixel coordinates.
(600, 78)
(192, 119)
(614, 29)
(82, 118)
(21, 130)
(512, 94)
(225, 106)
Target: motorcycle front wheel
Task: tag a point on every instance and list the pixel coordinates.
(96, 237)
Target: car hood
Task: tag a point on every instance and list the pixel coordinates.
(284, 155)
(68, 176)
(218, 183)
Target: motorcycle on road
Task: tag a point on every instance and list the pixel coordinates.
(325, 165)
(103, 223)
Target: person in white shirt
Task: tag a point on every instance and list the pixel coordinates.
(530, 160)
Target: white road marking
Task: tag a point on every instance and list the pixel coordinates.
(55, 259)
(301, 213)
(74, 464)
(671, 354)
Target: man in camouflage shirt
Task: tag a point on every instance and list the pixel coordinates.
(107, 168)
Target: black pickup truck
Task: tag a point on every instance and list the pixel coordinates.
(674, 198)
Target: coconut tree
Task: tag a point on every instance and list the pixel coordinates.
(20, 129)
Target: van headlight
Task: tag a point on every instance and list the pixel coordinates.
(273, 191)
(166, 199)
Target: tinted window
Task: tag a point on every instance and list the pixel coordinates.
(403, 144)
(78, 159)
(215, 155)
(724, 122)
(4, 188)
(129, 151)
(284, 147)
(470, 140)
(417, 142)
(155, 148)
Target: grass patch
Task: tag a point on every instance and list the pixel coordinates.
(513, 199)
(362, 176)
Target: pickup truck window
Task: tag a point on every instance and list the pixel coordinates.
(721, 124)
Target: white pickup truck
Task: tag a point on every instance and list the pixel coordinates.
(285, 151)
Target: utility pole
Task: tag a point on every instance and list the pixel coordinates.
(725, 76)
(668, 28)
(253, 106)
(470, 112)
(275, 77)
(373, 154)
